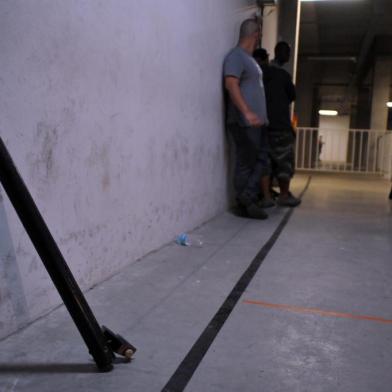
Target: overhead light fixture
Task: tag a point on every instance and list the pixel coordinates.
(332, 58)
(316, 0)
(389, 104)
(328, 112)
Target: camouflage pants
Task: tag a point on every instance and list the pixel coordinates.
(281, 146)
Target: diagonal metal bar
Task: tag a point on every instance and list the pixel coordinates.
(54, 261)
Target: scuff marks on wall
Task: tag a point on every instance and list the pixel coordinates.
(42, 160)
(80, 236)
(175, 157)
(99, 159)
(13, 304)
(105, 183)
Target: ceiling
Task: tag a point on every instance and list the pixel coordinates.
(346, 35)
(339, 41)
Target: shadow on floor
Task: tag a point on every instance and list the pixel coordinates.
(58, 368)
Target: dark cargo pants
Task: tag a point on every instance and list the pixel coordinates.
(252, 161)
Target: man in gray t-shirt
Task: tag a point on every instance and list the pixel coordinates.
(242, 66)
(247, 120)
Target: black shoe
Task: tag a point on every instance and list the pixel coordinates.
(274, 194)
(255, 212)
(390, 195)
(288, 201)
(266, 203)
(240, 211)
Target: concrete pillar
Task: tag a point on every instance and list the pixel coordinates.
(270, 29)
(360, 113)
(380, 96)
(305, 93)
(288, 29)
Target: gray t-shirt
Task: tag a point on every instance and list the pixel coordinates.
(240, 64)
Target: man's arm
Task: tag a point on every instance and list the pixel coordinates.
(290, 89)
(232, 85)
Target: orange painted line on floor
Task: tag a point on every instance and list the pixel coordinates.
(324, 313)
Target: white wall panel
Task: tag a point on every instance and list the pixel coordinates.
(113, 113)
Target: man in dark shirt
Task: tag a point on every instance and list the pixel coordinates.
(280, 93)
(262, 58)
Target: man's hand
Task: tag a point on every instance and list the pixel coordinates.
(253, 119)
(233, 87)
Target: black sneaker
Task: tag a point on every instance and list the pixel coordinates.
(288, 201)
(255, 212)
(266, 203)
(274, 194)
(240, 211)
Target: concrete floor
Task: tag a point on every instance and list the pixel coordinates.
(332, 262)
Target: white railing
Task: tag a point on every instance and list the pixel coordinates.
(344, 150)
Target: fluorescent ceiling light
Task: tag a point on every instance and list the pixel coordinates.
(328, 112)
(389, 104)
(332, 58)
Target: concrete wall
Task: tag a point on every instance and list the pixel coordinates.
(270, 29)
(113, 113)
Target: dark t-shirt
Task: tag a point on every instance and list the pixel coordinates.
(279, 92)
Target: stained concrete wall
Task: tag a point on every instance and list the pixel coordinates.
(113, 113)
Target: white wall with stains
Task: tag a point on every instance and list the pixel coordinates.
(113, 113)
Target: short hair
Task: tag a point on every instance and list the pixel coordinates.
(248, 27)
(281, 46)
(261, 54)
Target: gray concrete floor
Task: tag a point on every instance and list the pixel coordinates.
(334, 255)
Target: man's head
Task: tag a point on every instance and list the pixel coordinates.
(282, 52)
(261, 56)
(250, 32)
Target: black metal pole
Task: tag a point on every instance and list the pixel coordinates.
(54, 261)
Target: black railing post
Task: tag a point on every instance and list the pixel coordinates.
(54, 261)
